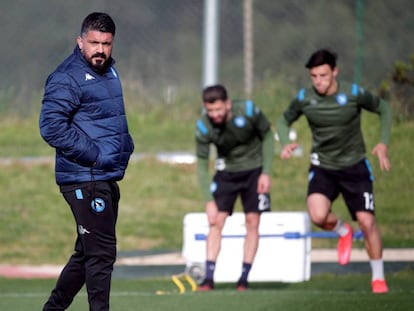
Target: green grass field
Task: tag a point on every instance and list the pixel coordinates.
(36, 225)
(322, 292)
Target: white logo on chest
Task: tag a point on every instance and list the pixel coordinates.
(89, 77)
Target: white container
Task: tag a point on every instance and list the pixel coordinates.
(283, 254)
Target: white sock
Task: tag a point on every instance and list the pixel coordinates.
(377, 269)
(340, 228)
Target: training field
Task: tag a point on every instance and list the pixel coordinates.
(323, 292)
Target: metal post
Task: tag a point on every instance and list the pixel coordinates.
(360, 39)
(210, 42)
(248, 47)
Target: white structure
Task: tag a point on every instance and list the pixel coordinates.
(283, 254)
(211, 42)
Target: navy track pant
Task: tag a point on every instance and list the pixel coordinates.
(95, 208)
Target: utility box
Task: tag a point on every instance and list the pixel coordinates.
(283, 254)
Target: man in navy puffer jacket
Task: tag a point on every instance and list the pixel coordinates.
(83, 118)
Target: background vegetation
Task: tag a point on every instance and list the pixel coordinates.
(158, 50)
(159, 44)
(36, 225)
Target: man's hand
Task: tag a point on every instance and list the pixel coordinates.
(381, 151)
(287, 151)
(263, 184)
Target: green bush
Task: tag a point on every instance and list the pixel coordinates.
(399, 90)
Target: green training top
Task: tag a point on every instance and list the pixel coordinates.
(335, 122)
(244, 142)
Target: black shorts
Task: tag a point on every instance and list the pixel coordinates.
(355, 183)
(227, 186)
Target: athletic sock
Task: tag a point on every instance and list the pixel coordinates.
(377, 269)
(340, 228)
(210, 267)
(245, 271)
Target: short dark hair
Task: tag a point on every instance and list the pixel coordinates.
(322, 57)
(213, 93)
(98, 21)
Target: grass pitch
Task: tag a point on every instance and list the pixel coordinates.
(322, 292)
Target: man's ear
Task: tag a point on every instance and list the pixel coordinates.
(335, 72)
(80, 42)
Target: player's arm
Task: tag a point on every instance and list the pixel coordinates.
(265, 133)
(385, 115)
(267, 151)
(381, 149)
(375, 104)
(203, 178)
(383, 109)
(282, 129)
(264, 130)
(202, 141)
(264, 182)
(283, 124)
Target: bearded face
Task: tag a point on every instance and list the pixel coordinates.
(219, 111)
(96, 47)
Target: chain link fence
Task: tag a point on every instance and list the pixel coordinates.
(159, 43)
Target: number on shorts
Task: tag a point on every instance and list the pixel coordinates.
(369, 201)
(264, 203)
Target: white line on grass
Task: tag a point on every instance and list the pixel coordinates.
(214, 293)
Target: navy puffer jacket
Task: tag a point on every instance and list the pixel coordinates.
(83, 118)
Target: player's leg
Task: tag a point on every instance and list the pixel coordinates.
(372, 237)
(213, 246)
(358, 195)
(323, 189)
(216, 222)
(217, 212)
(254, 204)
(373, 246)
(319, 208)
(251, 244)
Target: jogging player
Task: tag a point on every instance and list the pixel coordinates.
(338, 161)
(244, 142)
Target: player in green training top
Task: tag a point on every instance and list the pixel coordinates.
(244, 142)
(338, 161)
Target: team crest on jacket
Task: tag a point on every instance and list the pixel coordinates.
(342, 99)
(240, 121)
(98, 205)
